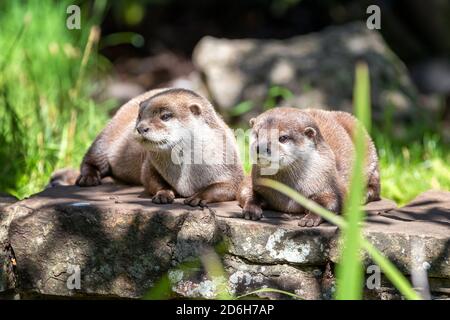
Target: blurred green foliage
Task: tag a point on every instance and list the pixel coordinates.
(46, 122)
(412, 167)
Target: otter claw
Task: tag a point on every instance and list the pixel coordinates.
(195, 201)
(252, 212)
(310, 220)
(88, 181)
(163, 197)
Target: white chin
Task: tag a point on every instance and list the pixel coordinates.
(153, 146)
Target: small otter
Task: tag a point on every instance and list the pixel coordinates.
(116, 152)
(315, 153)
(191, 151)
(149, 140)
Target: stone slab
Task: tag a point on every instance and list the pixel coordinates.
(123, 244)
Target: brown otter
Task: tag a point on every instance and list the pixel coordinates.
(314, 153)
(116, 152)
(191, 151)
(173, 142)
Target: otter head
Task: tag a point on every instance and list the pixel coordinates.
(283, 136)
(167, 118)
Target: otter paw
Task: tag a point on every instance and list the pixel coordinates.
(89, 180)
(310, 220)
(163, 197)
(252, 212)
(195, 201)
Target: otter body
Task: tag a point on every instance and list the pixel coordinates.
(315, 157)
(191, 151)
(172, 142)
(116, 152)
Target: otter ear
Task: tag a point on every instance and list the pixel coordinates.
(310, 132)
(252, 122)
(195, 109)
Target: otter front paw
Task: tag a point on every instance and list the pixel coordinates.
(163, 197)
(196, 200)
(88, 180)
(252, 212)
(310, 220)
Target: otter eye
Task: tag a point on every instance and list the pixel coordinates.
(283, 139)
(166, 116)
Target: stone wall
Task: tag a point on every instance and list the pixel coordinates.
(124, 245)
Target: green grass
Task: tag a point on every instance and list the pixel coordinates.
(410, 168)
(350, 271)
(45, 123)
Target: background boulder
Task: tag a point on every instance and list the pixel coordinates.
(317, 69)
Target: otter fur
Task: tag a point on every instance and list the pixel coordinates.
(315, 154)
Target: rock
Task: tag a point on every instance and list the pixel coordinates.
(119, 250)
(134, 76)
(317, 68)
(245, 278)
(7, 279)
(198, 233)
(192, 82)
(122, 91)
(112, 241)
(6, 200)
(432, 206)
(270, 242)
(422, 218)
(432, 76)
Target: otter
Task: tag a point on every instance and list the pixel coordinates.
(115, 152)
(173, 143)
(315, 153)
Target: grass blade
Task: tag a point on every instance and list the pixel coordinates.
(391, 272)
(350, 270)
(216, 273)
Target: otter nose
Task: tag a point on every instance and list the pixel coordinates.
(263, 148)
(142, 128)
